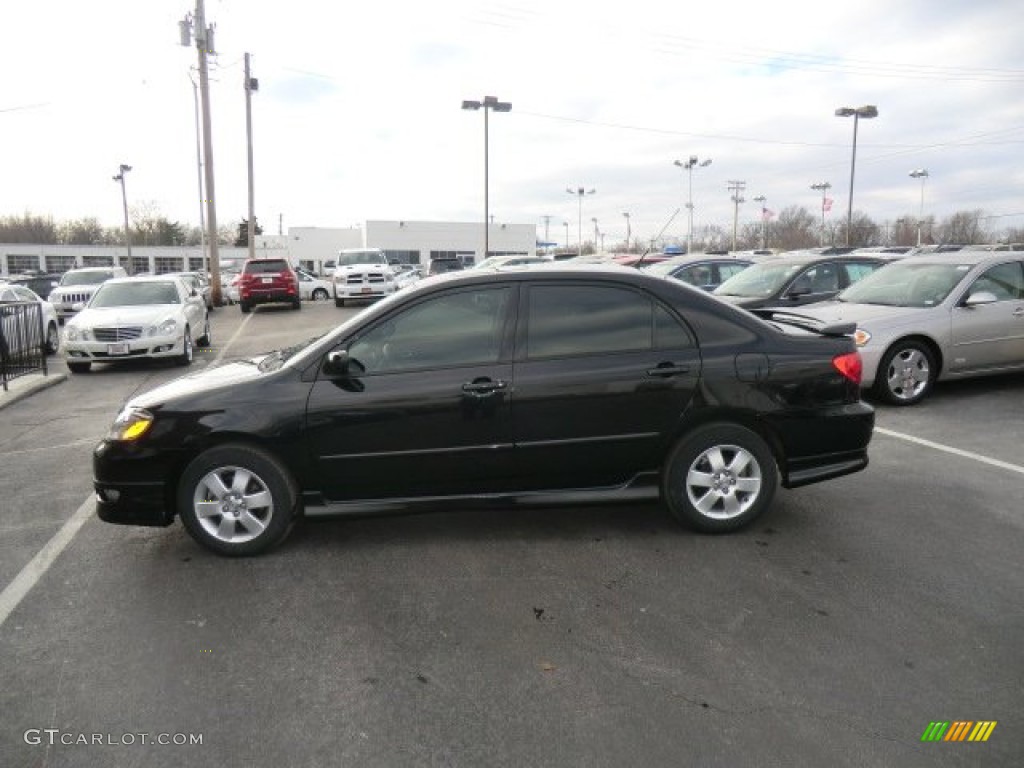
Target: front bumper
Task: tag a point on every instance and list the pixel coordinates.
(364, 291)
(101, 351)
(130, 485)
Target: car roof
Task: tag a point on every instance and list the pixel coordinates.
(962, 257)
(693, 258)
(810, 257)
(166, 278)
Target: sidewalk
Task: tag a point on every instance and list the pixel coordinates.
(23, 386)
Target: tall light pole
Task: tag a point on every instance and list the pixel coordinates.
(199, 174)
(628, 232)
(597, 233)
(736, 187)
(922, 174)
(688, 166)
(124, 203)
(764, 220)
(251, 84)
(867, 112)
(566, 225)
(580, 192)
(488, 104)
(823, 187)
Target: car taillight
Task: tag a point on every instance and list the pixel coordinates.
(850, 366)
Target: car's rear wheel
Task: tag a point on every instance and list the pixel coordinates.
(245, 306)
(237, 500)
(79, 367)
(906, 374)
(339, 302)
(719, 478)
(185, 358)
(52, 338)
(297, 303)
(320, 294)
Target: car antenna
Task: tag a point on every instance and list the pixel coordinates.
(643, 256)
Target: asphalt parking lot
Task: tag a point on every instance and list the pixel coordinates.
(832, 632)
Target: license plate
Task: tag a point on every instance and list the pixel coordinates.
(117, 349)
(267, 280)
(367, 289)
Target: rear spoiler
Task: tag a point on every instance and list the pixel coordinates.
(807, 323)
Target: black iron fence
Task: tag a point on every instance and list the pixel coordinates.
(22, 340)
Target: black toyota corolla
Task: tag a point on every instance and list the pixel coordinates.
(553, 385)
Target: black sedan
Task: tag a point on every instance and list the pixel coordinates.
(797, 278)
(561, 384)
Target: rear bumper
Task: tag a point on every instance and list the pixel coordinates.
(275, 296)
(821, 445)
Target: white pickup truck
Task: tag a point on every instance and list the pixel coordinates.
(362, 273)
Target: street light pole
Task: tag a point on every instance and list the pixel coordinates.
(580, 192)
(922, 174)
(688, 167)
(566, 225)
(124, 204)
(736, 187)
(868, 111)
(628, 232)
(489, 103)
(822, 187)
(764, 220)
(597, 233)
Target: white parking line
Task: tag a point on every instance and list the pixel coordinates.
(30, 575)
(952, 450)
(73, 443)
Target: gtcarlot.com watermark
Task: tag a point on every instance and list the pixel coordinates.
(54, 736)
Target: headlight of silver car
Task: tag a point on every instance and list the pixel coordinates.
(131, 424)
(167, 328)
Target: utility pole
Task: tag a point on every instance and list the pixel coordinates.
(736, 187)
(199, 174)
(764, 220)
(251, 84)
(124, 202)
(823, 187)
(597, 233)
(203, 34)
(547, 224)
(628, 232)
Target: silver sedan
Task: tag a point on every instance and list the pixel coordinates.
(926, 318)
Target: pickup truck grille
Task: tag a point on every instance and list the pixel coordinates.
(117, 334)
(75, 298)
(358, 279)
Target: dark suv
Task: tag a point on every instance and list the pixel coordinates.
(268, 281)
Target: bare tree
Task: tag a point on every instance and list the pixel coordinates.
(28, 228)
(963, 227)
(87, 231)
(795, 228)
(863, 231)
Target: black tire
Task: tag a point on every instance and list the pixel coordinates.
(719, 478)
(906, 374)
(339, 302)
(297, 304)
(320, 294)
(187, 352)
(245, 307)
(214, 496)
(207, 338)
(79, 367)
(52, 339)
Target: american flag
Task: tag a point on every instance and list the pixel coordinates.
(826, 204)
(767, 215)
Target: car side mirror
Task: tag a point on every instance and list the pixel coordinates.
(798, 289)
(337, 363)
(980, 298)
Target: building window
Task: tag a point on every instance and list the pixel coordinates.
(196, 264)
(402, 257)
(165, 264)
(97, 261)
(60, 263)
(139, 264)
(20, 262)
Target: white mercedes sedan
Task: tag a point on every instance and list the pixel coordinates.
(137, 317)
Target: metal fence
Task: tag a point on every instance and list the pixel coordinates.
(22, 340)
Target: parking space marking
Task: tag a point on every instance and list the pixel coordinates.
(72, 444)
(231, 341)
(950, 449)
(30, 575)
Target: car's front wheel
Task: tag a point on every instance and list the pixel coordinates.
(207, 338)
(719, 478)
(185, 358)
(906, 374)
(237, 500)
(320, 294)
(79, 367)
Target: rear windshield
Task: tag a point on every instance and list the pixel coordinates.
(86, 278)
(263, 267)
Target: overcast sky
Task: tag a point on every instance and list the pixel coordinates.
(358, 114)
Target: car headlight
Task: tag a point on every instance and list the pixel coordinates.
(167, 328)
(130, 424)
(861, 337)
(75, 333)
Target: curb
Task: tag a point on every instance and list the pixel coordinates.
(24, 390)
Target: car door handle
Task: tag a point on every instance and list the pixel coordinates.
(483, 387)
(667, 369)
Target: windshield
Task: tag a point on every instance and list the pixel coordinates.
(359, 257)
(906, 285)
(85, 278)
(759, 280)
(135, 294)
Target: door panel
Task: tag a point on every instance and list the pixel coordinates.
(991, 335)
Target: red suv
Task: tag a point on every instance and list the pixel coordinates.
(266, 281)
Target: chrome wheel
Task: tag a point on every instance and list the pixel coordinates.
(52, 339)
(906, 373)
(723, 482)
(233, 504)
(320, 295)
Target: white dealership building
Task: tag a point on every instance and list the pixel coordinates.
(412, 242)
